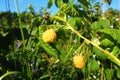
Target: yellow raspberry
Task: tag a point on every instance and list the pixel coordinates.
(79, 61)
(49, 36)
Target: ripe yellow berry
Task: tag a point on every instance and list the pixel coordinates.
(49, 36)
(79, 61)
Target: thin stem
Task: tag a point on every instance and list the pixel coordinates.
(8, 73)
(19, 19)
(116, 60)
(111, 57)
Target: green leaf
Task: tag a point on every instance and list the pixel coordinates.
(51, 51)
(70, 10)
(79, 21)
(99, 53)
(118, 73)
(93, 65)
(42, 28)
(105, 23)
(72, 22)
(73, 11)
(108, 1)
(44, 76)
(106, 43)
(84, 2)
(59, 3)
(8, 73)
(76, 22)
(114, 33)
(95, 26)
(115, 51)
(102, 24)
(109, 73)
(0, 68)
(71, 3)
(50, 3)
(65, 1)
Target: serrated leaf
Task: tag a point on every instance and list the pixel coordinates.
(109, 73)
(42, 28)
(106, 43)
(104, 23)
(92, 68)
(99, 53)
(50, 2)
(78, 21)
(114, 33)
(75, 22)
(115, 51)
(70, 10)
(95, 26)
(65, 1)
(51, 51)
(84, 2)
(58, 3)
(118, 73)
(73, 11)
(72, 22)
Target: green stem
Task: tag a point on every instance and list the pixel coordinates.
(68, 26)
(19, 19)
(8, 73)
(116, 60)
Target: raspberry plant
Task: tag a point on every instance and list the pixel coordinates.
(80, 29)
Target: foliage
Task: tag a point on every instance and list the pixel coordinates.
(112, 12)
(80, 29)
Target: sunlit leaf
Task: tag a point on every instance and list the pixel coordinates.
(50, 2)
(51, 51)
(93, 65)
(115, 51)
(118, 73)
(99, 54)
(75, 22)
(114, 33)
(73, 11)
(84, 2)
(107, 43)
(109, 73)
(58, 3)
(104, 23)
(44, 76)
(95, 26)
